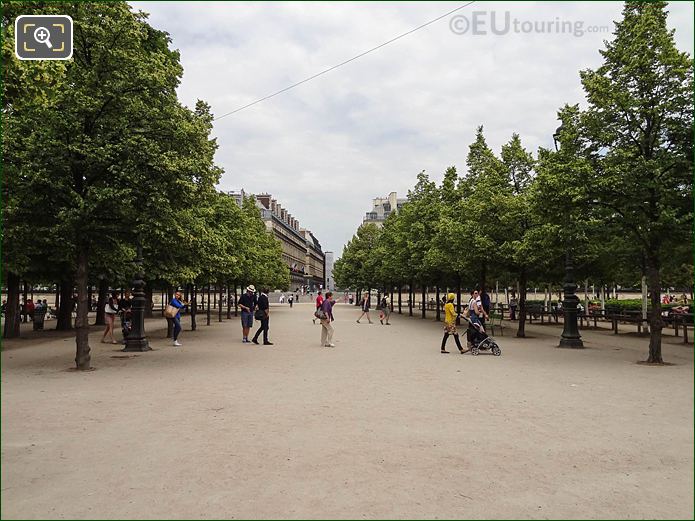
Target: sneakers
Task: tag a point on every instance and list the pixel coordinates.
(254, 341)
(328, 345)
(244, 340)
(267, 343)
(177, 343)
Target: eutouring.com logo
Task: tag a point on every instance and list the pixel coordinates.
(483, 23)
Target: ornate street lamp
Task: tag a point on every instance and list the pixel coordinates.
(570, 333)
(136, 340)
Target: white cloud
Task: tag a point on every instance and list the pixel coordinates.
(326, 148)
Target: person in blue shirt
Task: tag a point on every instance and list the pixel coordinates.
(177, 302)
(248, 303)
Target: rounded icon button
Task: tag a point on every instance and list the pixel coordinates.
(459, 24)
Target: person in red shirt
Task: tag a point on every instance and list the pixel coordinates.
(319, 303)
(31, 307)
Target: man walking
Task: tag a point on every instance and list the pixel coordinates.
(264, 317)
(247, 303)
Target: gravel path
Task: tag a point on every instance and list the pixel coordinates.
(382, 426)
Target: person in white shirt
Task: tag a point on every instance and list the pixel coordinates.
(110, 312)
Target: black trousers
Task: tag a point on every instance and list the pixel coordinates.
(264, 328)
(456, 339)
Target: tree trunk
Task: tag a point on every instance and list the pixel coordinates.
(411, 296)
(208, 306)
(458, 295)
(483, 275)
(424, 301)
(236, 302)
(400, 311)
(194, 306)
(101, 302)
(170, 323)
(219, 301)
(82, 357)
(149, 296)
(12, 315)
(439, 315)
(654, 278)
(57, 303)
(229, 302)
(64, 322)
(521, 332)
(25, 296)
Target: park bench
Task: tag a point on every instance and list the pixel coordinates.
(682, 320)
(537, 311)
(626, 317)
(495, 322)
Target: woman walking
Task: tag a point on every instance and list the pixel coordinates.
(365, 308)
(177, 302)
(385, 311)
(111, 310)
(326, 326)
(450, 324)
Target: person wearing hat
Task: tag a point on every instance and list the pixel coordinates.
(247, 303)
(450, 324)
(385, 312)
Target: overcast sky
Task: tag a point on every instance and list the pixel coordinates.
(326, 148)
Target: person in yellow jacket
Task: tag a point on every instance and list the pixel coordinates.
(450, 324)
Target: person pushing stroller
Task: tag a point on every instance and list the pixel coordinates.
(450, 325)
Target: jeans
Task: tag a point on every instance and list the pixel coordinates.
(177, 326)
(264, 328)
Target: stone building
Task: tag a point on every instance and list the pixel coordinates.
(382, 208)
(301, 251)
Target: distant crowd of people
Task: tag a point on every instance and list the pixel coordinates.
(255, 306)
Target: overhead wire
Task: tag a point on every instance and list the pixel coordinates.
(334, 67)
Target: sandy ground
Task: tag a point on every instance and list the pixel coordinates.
(382, 426)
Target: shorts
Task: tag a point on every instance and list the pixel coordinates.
(246, 319)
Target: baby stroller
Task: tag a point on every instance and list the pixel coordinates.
(480, 339)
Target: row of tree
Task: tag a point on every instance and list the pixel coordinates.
(615, 195)
(100, 157)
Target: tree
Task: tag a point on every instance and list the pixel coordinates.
(78, 148)
(637, 132)
(354, 268)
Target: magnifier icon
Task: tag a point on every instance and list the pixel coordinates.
(42, 35)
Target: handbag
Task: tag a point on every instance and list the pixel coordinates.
(170, 311)
(259, 314)
(320, 314)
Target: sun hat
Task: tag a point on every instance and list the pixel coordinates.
(251, 288)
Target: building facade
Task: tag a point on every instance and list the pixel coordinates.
(301, 251)
(330, 282)
(382, 208)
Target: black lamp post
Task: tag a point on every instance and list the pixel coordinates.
(570, 333)
(136, 340)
